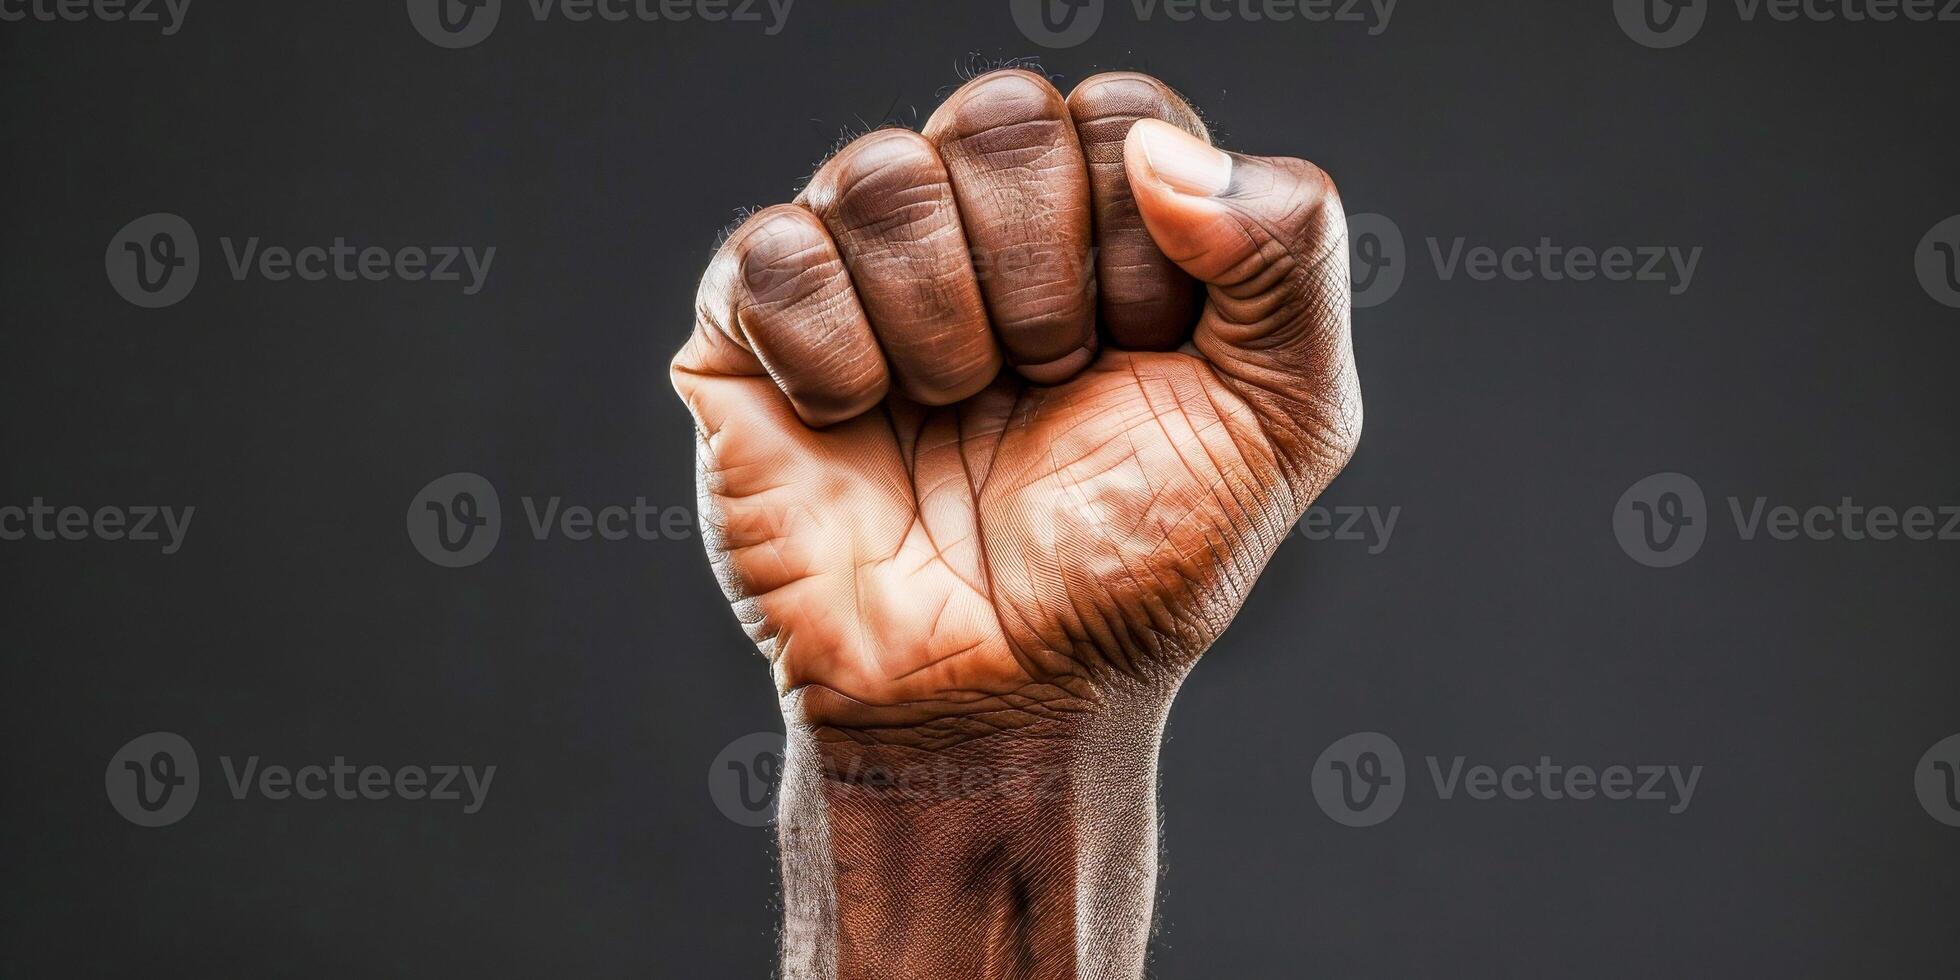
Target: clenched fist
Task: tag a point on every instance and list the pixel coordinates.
(998, 425)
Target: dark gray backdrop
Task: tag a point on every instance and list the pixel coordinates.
(1502, 622)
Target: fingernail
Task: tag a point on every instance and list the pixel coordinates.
(1188, 164)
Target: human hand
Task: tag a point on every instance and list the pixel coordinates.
(998, 427)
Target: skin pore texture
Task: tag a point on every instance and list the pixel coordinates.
(997, 426)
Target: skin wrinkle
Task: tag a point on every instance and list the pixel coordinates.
(1025, 663)
(1229, 490)
(1014, 582)
(1126, 652)
(890, 208)
(908, 222)
(1082, 637)
(1017, 172)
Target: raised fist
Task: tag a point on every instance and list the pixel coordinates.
(1001, 422)
(997, 427)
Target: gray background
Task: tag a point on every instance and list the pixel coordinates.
(1505, 419)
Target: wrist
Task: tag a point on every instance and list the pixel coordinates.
(958, 863)
(1030, 853)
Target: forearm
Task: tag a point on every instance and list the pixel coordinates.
(1010, 856)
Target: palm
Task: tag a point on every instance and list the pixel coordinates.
(994, 554)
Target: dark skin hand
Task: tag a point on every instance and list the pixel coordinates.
(998, 425)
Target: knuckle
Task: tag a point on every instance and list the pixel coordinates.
(784, 257)
(1006, 114)
(1122, 96)
(887, 208)
(884, 161)
(1105, 106)
(1008, 90)
(1116, 84)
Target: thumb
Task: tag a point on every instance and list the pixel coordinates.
(1267, 237)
